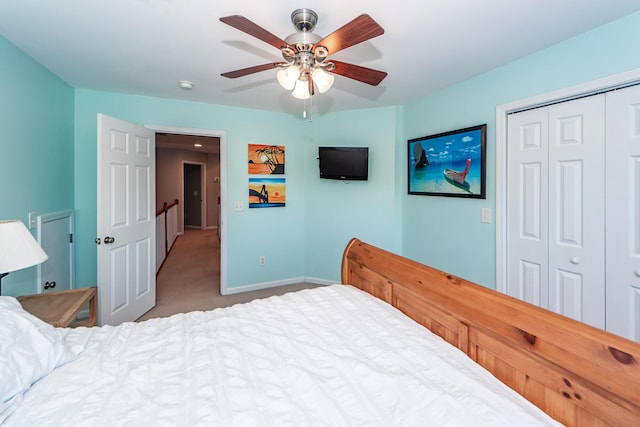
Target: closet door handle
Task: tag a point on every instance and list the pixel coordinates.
(575, 260)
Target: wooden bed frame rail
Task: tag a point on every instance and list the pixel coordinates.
(579, 375)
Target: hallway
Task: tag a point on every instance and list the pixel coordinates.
(189, 280)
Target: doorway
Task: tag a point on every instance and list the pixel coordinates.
(214, 180)
(194, 195)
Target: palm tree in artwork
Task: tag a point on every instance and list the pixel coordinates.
(270, 156)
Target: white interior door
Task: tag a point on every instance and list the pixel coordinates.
(55, 236)
(527, 219)
(126, 220)
(623, 219)
(576, 209)
(555, 208)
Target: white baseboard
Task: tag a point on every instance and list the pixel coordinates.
(284, 282)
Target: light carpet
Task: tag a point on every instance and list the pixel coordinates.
(189, 279)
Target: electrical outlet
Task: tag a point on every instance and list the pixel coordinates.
(261, 260)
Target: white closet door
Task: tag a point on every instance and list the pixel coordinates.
(527, 219)
(623, 214)
(555, 208)
(576, 209)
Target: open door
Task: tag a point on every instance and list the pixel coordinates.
(126, 221)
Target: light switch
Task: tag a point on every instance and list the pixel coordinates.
(486, 215)
(238, 206)
(32, 220)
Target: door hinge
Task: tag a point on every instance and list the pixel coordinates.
(70, 237)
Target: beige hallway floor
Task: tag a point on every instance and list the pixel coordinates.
(189, 280)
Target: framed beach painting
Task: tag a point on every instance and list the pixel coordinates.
(450, 164)
(266, 159)
(267, 192)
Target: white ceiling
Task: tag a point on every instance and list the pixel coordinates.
(146, 46)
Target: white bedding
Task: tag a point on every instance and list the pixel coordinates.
(330, 356)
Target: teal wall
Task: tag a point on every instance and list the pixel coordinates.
(303, 239)
(276, 233)
(57, 134)
(447, 233)
(36, 147)
(336, 211)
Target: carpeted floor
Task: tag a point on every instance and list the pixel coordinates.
(189, 280)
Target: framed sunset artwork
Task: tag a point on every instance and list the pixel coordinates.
(267, 192)
(266, 159)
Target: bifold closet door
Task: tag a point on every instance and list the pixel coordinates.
(623, 212)
(577, 209)
(527, 206)
(555, 219)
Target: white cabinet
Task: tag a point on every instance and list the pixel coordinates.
(573, 177)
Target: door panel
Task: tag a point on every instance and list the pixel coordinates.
(126, 220)
(142, 265)
(623, 222)
(576, 222)
(527, 237)
(55, 237)
(555, 210)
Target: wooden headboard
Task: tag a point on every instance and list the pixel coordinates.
(580, 375)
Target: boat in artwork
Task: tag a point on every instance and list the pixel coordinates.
(458, 176)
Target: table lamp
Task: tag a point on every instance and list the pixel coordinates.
(18, 248)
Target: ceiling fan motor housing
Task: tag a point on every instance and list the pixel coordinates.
(304, 19)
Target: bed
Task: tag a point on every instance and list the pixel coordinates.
(339, 355)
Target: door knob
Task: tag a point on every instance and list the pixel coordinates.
(98, 241)
(575, 260)
(49, 285)
(108, 240)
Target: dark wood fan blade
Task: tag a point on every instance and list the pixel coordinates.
(243, 24)
(357, 31)
(246, 71)
(356, 72)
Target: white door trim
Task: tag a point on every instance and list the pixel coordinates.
(565, 94)
(223, 188)
(203, 191)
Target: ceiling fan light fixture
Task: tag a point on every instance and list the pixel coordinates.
(301, 90)
(288, 76)
(322, 79)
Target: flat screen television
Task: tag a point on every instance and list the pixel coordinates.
(344, 163)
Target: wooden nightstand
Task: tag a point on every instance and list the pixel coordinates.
(61, 308)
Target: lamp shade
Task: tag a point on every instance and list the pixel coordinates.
(323, 79)
(18, 248)
(301, 90)
(287, 77)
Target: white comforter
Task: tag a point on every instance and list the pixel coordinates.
(331, 356)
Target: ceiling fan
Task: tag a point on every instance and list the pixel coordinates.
(305, 53)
